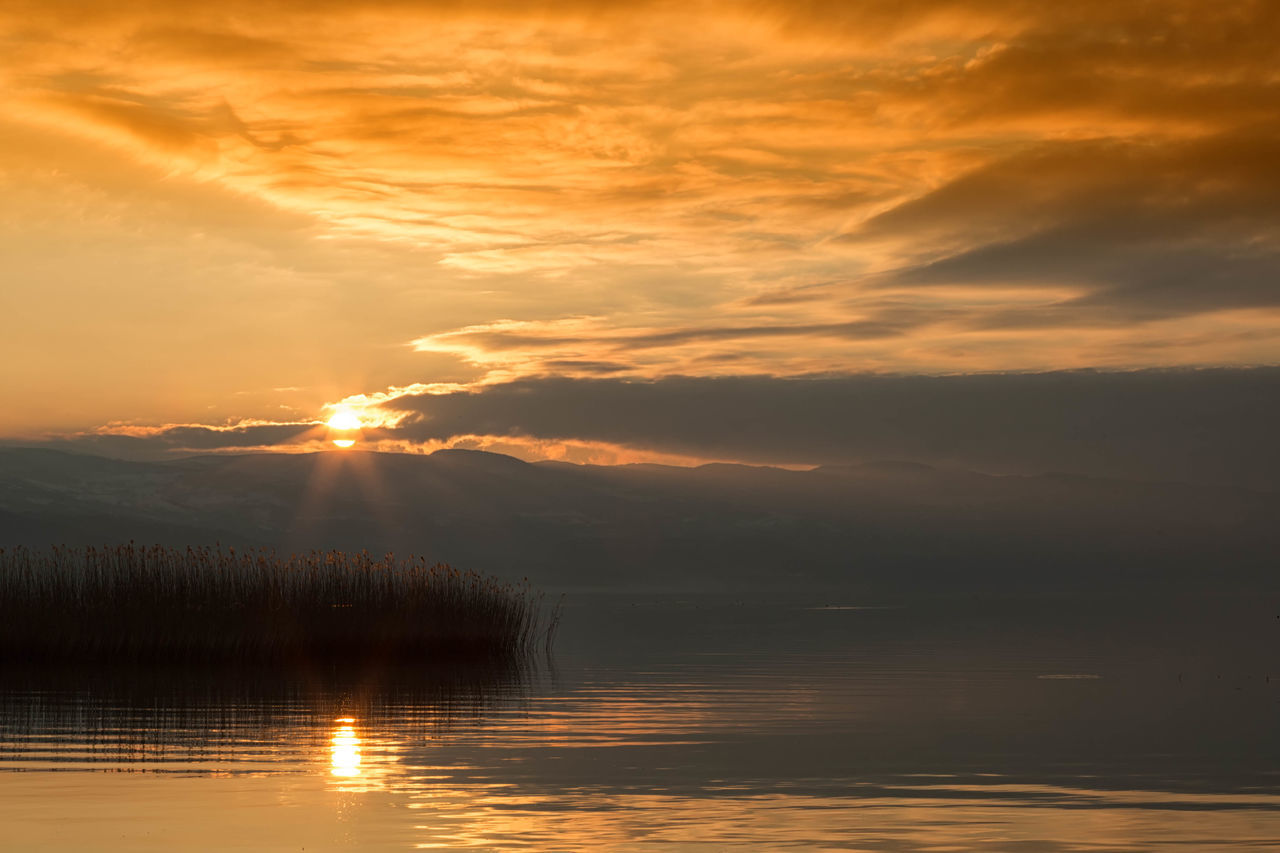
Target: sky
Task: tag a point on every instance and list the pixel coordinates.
(618, 232)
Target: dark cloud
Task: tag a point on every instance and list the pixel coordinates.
(1216, 425)
(207, 438)
(180, 440)
(1149, 231)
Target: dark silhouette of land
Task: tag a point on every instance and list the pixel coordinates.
(899, 528)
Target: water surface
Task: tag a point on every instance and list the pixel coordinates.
(690, 725)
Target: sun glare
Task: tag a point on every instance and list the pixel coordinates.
(344, 749)
(343, 428)
(344, 420)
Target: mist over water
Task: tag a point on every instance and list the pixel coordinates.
(695, 723)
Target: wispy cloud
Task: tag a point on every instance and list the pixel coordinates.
(298, 190)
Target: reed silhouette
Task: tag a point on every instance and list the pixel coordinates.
(133, 604)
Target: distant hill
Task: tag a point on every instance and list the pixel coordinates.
(883, 528)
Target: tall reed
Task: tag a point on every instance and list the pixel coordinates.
(130, 603)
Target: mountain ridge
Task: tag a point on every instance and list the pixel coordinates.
(878, 526)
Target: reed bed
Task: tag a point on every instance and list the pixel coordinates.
(129, 604)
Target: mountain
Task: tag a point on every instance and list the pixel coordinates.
(882, 528)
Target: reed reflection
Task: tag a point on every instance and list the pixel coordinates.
(223, 721)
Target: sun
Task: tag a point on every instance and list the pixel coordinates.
(343, 428)
(344, 420)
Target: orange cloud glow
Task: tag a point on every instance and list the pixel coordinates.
(206, 204)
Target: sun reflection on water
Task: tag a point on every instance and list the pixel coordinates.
(344, 749)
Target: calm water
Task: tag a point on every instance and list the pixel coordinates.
(691, 726)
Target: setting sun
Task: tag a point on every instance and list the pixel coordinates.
(344, 420)
(343, 427)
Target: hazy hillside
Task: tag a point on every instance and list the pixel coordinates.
(887, 527)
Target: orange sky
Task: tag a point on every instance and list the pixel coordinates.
(232, 210)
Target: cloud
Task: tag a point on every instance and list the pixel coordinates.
(255, 435)
(1202, 425)
(481, 343)
(1143, 231)
(1213, 426)
(893, 326)
(280, 193)
(166, 442)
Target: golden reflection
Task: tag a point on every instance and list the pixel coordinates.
(344, 749)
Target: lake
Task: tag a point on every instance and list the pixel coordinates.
(695, 724)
